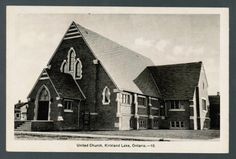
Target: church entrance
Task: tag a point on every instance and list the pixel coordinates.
(43, 110)
(43, 104)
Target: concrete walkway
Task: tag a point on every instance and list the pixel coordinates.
(97, 136)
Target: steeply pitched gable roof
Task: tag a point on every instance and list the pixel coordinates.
(122, 64)
(65, 85)
(20, 104)
(177, 81)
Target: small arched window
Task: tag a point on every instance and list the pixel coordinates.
(71, 58)
(78, 69)
(44, 95)
(63, 66)
(106, 96)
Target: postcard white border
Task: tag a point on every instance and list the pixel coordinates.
(221, 146)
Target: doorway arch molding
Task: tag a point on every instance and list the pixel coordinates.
(37, 102)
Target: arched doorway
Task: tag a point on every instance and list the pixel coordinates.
(43, 104)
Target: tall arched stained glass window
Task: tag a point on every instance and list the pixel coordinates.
(78, 69)
(71, 58)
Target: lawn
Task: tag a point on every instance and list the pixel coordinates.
(180, 134)
(130, 135)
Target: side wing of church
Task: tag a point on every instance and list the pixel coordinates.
(93, 83)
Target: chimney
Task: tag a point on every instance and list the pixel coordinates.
(218, 93)
(19, 101)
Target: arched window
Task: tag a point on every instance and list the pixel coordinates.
(106, 96)
(78, 69)
(71, 58)
(72, 65)
(63, 66)
(44, 95)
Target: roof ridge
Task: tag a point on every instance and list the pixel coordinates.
(158, 89)
(200, 62)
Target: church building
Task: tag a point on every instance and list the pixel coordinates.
(93, 83)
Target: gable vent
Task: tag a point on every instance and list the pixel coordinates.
(44, 76)
(72, 32)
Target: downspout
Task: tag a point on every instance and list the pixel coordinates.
(198, 109)
(96, 62)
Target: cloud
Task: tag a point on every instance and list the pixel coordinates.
(143, 42)
(186, 51)
(178, 50)
(161, 45)
(196, 51)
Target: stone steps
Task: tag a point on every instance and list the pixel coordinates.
(26, 126)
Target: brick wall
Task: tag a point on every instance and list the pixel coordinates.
(70, 118)
(42, 126)
(106, 113)
(53, 95)
(177, 115)
(87, 83)
(94, 79)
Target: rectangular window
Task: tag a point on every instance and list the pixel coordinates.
(68, 105)
(142, 123)
(182, 124)
(177, 124)
(175, 104)
(155, 122)
(126, 99)
(131, 122)
(204, 107)
(142, 101)
(172, 123)
(155, 103)
(17, 115)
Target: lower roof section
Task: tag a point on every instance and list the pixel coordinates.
(65, 85)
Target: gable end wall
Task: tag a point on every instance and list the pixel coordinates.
(93, 81)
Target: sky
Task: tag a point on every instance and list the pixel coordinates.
(165, 39)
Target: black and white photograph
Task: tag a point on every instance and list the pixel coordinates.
(113, 79)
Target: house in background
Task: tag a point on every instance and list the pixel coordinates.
(93, 83)
(215, 111)
(21, 110)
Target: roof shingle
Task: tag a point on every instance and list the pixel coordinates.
(65, 85)
(122, 64)
(177, 81)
